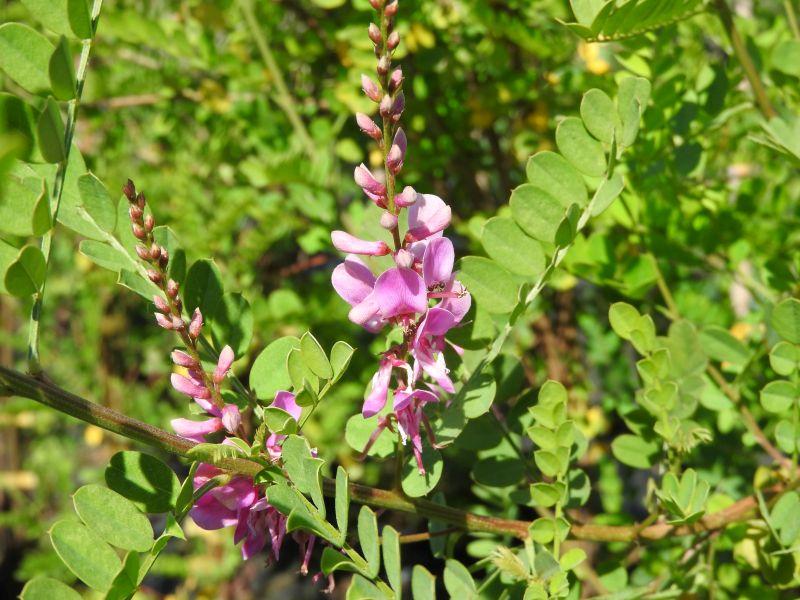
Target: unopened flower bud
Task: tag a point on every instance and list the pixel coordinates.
(388, 220)
(154, 276)
(163, 258)
(182, 359)
(394, 160)
(376, 4)
(367, 181)
(398, 105)
(368, 126)
(385, 107)
(178, 323)
(231, 417)
(163, 321)
(401, 140)
(140, 200)
(395, 80)
(135, 212)
(172, 287)
(370, 89)
(142, 252)
(129, 189)
(383, 65)
(161, 304)
(138, 231)
(403, 258)
(149, 223)
(391, 9)
(374, 33)
(155, 251)
(393, 40)
(406, 198)
(196, 324)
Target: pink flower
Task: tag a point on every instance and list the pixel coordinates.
(196, 430)
(354, 282)
(427, 216)
(224, 363)
(399, 292)
(191, 386)
(373, 188)
(408, 410)
(344, 242)
(429, 345)
(285, 401)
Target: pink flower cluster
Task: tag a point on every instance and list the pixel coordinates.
(401, 295)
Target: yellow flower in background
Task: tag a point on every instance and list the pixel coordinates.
(591, 54)
(419, 37)
(93, 436)
(539, 118)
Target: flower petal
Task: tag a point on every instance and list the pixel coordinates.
(353, 280)
(344, 242)
(437, 264)
(400, 291)
(376, 399)
(196, 430)
(428, 215)
(285, 401)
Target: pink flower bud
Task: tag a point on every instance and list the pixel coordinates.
(154, 276)
(172, 288)
(374, 33)
(231, 417)
(370, 88)
(196, 324)
(385, 107)
(388, 220)
(155, 251)
(376, 4)
(367, 181)
(161, 304)
(384, 64)
(404, 259)
(391, 9)
(344, 242)
(394, 160)
(149, 223)
(368, 126)
(163, 258)
(140, 200)
(395, 80)
(178, 323)
(163, 321)
(189, 387)
(182, 359)
(223, 364)
(135, 212)
(138, 231)
(398, 105)
(406, 198)
(142, 252)
(393, 40)
(401, 140)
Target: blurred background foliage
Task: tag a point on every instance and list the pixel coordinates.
(184, 97)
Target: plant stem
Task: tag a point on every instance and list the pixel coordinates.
(792, 18)
(740, 50)
(283, 96)
(34, 360)
(20, 384)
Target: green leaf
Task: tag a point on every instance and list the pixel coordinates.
(549, 463)
(787, 436)
(784, 358)
(114, 518)
(21, 201)
(203, 287)
(27, 273)
(25, 56)
(104, 255)
(333, 560)
(606, 194)
(498, 471)
(478, 394)
(720, 345)
(341, 353)
(572, 558)
(547, 494)
(232, 323)
(97, 202)
(579, 148)
(507, 244)
(50, 13)
(368, 540)
(542, 530)
(551, 171)
(458, 582)
(599, 115)
(314, 356)
(144, 480)
(42, 218)
(363, 589)
(357, 433)
(423, 584)
(391, 559)
(586, 10)
(269, 373)
(342, 501)
(62, 72)
(778, 396)
(279, 421)
(91, 559)
(491, 286)
(536, 212)
(416, 484)
(127, 579)
(50, 129)
(786, 320)
(632, 98)
(80, 18)
(634, 451)
(47, 588)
